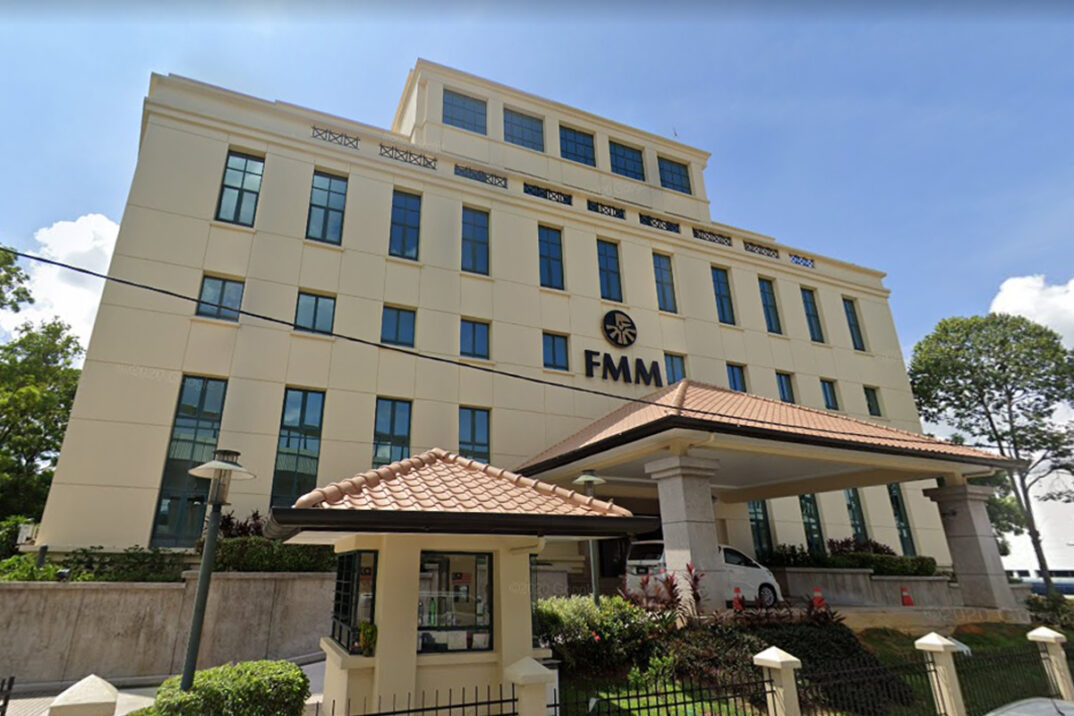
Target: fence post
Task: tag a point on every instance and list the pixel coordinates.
(1051, 643)
(779, 667)
(530, 679)
(943, 677)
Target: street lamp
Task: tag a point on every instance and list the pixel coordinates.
(589, 480)
(222, 469)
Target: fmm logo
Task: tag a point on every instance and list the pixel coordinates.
(620, 330)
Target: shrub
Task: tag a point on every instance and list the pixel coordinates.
(260, 554)
(1051, 609)
(871, 555)
(252, 526)
(712, 653)
(249, 688)
(612, 637)
(853, 544)
(9, 534)
(134, 564)
(22, 568)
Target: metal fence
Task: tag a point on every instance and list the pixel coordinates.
(868, 687)
(487, 701)
(6, 687)
(743, 694)
(994, 677)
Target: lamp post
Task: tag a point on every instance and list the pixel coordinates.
(222, 469)
(589, 480)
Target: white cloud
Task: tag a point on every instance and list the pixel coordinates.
(73, 297)
(1035, 299)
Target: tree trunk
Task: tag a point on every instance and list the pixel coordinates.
(1031, 527)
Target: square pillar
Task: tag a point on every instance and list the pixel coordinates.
(688, 517)
(974, 553)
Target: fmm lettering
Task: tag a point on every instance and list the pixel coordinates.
(620, 370)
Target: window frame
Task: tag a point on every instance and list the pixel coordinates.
(206, 309)
(345, 621)
(479, 246)
(859, 526)
(474, 323)
(902, 519)
(243, 192)
(397, 312)
(402, 248)
(606, 275)
(475, 454)
(557, 340)
(318, 300)
(554, 263)
(814, 537)
(729, 299)
(457, 118)
(391, 439)
(520, 141)
(770, 305)
(327, 208)
(762, 540)
(490, 627)
(665, 287)
(786, 380)
(302, 433)
(736, 371)
(670, 358)
(831, 398)
(665, 167)
(872, 401)
(569, 136)
(854, 326)
(813, 319)
(629, 171)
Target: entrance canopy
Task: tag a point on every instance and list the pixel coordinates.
(765, 448)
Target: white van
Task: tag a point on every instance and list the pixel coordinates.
(758, 585)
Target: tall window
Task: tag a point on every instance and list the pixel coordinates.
(674, 175)
(811, 522)
(626, 161)
(760, 527)
(674, 367)
(736, 377)
(397, 326)
(555, 351)
(475, 241)
(464, 112)
(315, 313)
(240, 188)
(195, 428)
(852, 323)
(328, 197)
(455, 602)
(608, 266)
(576, 146)
(665, 283)
(523, 130)
(768, 303)
(220, 298)
(473, 339)
(902, 520)
(353, 605)
(872, 401)
(831, 398)
(474, 433)
(725, 306)
(550, 249)
(406, 225)
(391, 431)
(856, 514)
(812, 315)
(299, 446)
(786, 387)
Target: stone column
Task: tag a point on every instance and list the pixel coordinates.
(684, 485)
(978, 567)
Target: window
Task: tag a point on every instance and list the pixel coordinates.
(811, 522)
(856, 515)
(674, 367)
(550, 249)
(195, 428)
(786, 387)
(736, 377)
(473, 339)
(902, 520)
(391, 431)
(299, 446)
(397, 326)
(356, 581)
(627, 161)
(674, 175)
(760, 527)
(315, 313)
(555, 351)
(665, 283)
(523, 130)
(768, 303)
(474, 433)
(608, 266)
(831, 399)
(406, 225)
(812, 315)
(576, 146)
(240, 188)
(220, 298)
(454, 602)
(725, 307)
(464, 112)
(328, 196)
(852, 323)
(872, 401)
(475, 241)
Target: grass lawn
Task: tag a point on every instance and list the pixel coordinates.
(672, 699)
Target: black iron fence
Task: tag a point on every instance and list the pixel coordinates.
(6, 687)
(994, 677)
(487, 701)
(742, 694)
(869, 688)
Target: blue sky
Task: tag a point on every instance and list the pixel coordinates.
(935, 146)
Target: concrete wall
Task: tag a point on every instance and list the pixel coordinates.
(860, 587)
(63, 632)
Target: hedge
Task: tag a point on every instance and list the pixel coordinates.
(249, 688)
(260, 554)
(882, 564)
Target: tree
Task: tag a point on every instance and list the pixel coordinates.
(13, 291)
(1001, 379)
(38, 378)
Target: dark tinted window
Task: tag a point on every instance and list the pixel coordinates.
(391, 431)
(328, 197)
(523, 130)
(473, 339)
(315, 313)
(576, 146)
(397, 326)
(555, 351)
(299, 446)
(240, 189)
(406, 225)
(627, 161)
(220, 298)
(550, 249)
(465, 112)
(674, 175)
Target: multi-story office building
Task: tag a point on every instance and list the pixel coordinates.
(488, 227)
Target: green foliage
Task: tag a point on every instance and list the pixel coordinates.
(249, 688)
(367, 638)
(260, 554)
(711, 652)
(660, 670)
(13, 291)
(612, 637)
(882, 564)
(134, 564)
(145, 711)
(21, 568)
(1052, 609)
(9, 534)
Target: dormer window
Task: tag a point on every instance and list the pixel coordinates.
(464, 112)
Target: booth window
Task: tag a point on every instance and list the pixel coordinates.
(455, 602)
(356, 578)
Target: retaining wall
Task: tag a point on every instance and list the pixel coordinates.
(860, 587)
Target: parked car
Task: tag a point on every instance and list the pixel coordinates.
(757, 583)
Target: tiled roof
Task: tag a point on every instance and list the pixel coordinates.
(719, 408)
(440, 481)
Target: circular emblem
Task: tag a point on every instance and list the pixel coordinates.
(619, 328)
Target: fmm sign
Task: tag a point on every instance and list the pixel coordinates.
(620, 331)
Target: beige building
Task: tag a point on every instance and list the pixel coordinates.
(498, 231)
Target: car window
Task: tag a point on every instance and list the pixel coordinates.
(734, 557)
(652, 552)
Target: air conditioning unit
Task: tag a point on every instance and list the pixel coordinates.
(27, 533)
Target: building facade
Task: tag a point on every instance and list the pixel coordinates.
(493, 230)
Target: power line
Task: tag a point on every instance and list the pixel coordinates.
(911, 439)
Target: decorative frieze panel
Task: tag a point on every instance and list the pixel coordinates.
(481, 176)
(759, 249)
(546, 193)
(658, 223)
(405, 155)
(606, 209)
(711, 237)
(803, 261)
(329, 135)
